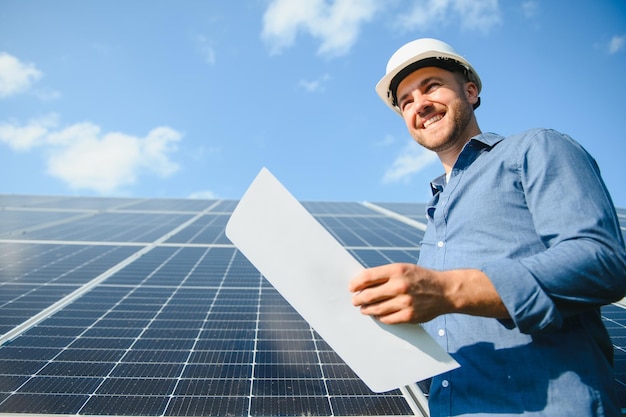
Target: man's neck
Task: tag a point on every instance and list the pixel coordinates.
(449, 156)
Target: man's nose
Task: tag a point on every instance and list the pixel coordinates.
(422, 103)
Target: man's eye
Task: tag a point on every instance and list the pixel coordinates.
(432, 86)
(405, 104)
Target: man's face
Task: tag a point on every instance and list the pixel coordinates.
(437, 108)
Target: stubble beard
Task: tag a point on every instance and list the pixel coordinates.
(461, 117)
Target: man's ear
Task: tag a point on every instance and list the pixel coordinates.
(471, 92)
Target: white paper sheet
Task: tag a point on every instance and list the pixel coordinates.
(311, 270)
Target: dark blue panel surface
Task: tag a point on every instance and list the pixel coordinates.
(187, 328)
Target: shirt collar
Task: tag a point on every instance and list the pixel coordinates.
(483, 140)
(436, 185)
(489, 139)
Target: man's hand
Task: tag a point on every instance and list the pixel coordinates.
(407, 293)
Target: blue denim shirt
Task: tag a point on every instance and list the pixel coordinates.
(532, 212)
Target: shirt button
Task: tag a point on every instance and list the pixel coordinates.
(440, 244)
(445, 383)
(441, 332)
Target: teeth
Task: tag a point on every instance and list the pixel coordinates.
(432, 120)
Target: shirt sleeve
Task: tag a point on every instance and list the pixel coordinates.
(584, 263)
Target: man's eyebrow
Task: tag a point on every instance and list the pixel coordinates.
(421, 85)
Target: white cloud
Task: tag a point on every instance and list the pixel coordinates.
(617, 43)
(388, 140)
(85, 158)
(412, 159)
(478, 14)
(530, 8)
(335, 25)
(206, 49)
(424, 14)
(16, 76)
(471, 14)
(47, 94)
(314, 85)
(24, 138)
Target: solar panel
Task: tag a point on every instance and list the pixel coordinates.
(410, 210)
(143, 307)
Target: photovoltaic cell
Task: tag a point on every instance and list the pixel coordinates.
(411, 210)
(33, 277)
(62, 203)
(336, 208)
(224, 206)
(171, 204)
(182, 327)
(614, 318)
(371, 231)
(14, 223)
(111, 227)
(208, 229)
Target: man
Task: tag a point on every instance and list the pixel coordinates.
(522, 248)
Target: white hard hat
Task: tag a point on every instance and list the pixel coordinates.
(417, 54)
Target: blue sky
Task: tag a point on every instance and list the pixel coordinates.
(191, 98)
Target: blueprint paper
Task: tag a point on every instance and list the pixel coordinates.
(311, 270)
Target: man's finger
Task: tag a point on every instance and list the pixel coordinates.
(369, 278)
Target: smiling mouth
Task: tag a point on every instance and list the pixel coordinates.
(432, 120)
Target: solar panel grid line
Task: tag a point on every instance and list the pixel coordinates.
(49, 209)
(345, 236)
(43, 314)
(130, 227)
(11, 256)
(19, 200)
(320, 364)
(37, 286)
(137, 211)
(614, 318)
(19, 221)
(197, 229)
(68, 299)
(109, 211)
(88, 286)
(393, 232)
(380, 256)
(150, 205)
(50, 224)
(338, 208)
(198, 334)
(62, 300)
(372, 215)
(386, 259)
(30, 385)
(73, 242)
(196, 245)
(110, 376)
(87, 212)
(418, 225)
(371, 231)
(74, 268)
(89, 203)
(255, 344)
